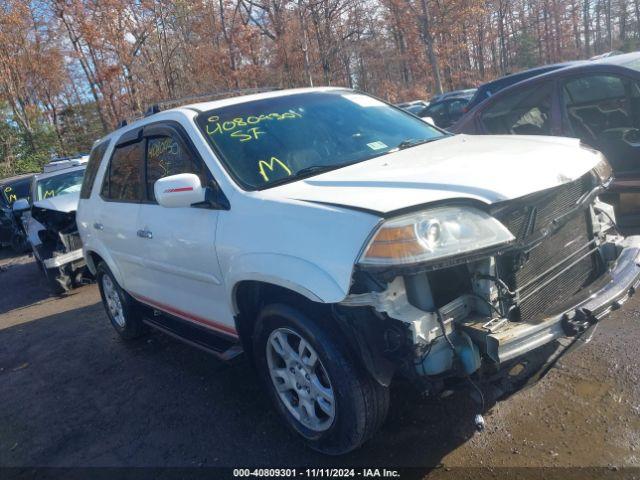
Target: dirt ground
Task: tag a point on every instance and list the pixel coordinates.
(73, 394)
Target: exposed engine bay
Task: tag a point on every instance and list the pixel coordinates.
(480, 315)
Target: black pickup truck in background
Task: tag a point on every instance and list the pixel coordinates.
(11, 232)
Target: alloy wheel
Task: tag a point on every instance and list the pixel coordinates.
(114, 304)
(300, 379)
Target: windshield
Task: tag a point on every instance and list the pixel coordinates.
(69, 182)
(14, 191)
(276, 140)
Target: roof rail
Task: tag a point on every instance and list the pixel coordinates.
(172, 103)
(69, 157)
(151, 110)
(166, 104)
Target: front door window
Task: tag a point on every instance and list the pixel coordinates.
(526, 111)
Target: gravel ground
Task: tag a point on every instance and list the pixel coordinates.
(72, 394)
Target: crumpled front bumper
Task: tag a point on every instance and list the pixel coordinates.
(608, 292)
(63, 259)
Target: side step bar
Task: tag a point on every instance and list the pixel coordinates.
(194, 335)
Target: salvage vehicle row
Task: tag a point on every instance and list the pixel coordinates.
(43, 218)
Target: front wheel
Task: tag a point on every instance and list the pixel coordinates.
(121, 308)
(322, 394)
(19, 243)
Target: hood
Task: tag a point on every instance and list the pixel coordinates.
(489, 169)
(63, 203)
(57, 214)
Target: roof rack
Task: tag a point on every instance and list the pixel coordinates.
(70, 157)
(62, 163)
(205, 97)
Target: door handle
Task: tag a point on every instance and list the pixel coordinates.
(98, 226)
(145, 234)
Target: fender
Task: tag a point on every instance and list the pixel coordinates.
(106, 256)
(296, 274)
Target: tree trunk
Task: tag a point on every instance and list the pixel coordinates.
(587, 27)
(427, 36)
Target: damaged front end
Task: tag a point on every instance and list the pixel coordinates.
(516, 301)
(60, 249)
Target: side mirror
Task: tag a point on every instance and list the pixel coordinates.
(20, 205)
(429, 120)
(179, 191)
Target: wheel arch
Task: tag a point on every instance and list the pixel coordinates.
(250, 296)
(362, 333)
(290, 272)
(93, 258)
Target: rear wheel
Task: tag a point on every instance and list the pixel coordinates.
(123, 311)
(320, 391)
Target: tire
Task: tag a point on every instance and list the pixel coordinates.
(359, 404)
(19, 244)
(123, 311)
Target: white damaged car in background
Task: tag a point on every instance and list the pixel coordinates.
(342, 243)
(51, 225)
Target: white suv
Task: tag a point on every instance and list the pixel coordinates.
(341, 242)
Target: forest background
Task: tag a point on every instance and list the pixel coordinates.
(71, 70)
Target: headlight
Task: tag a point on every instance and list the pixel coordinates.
(603, 170)
(433, 234)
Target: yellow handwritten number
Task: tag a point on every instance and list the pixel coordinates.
(215, 126)
(262, 164)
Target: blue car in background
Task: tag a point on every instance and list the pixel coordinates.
(596, 101)
(488, 89)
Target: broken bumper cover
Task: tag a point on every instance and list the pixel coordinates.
(60, 260)
(608, 292)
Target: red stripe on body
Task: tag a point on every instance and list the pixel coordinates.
(187, 316)
(182, 189)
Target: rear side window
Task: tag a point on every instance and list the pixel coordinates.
(167, 155)
(95, 159)
(601, 108)
(122, 181)
(594, 88)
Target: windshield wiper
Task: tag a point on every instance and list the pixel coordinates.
(304, 172)
(313, 169)
(413, 142)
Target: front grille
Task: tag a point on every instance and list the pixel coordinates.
(537, 212)
(72, 241)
